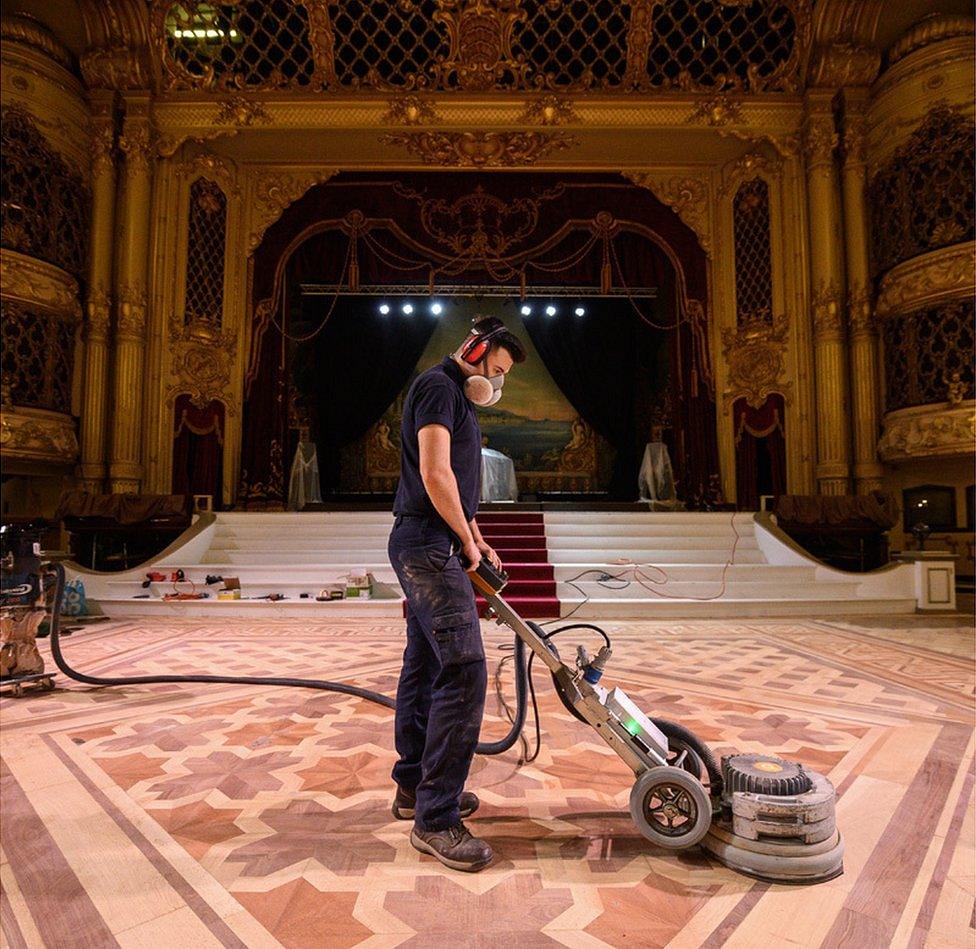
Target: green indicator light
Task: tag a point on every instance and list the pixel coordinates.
(632, 727)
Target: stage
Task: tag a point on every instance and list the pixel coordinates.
(595, 561)
(191, 815)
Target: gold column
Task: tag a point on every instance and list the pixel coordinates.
(868, 471)
(827, 278)
(125, 465)
(91, 471)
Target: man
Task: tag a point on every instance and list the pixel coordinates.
(441, 693)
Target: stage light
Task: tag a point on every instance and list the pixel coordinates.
(384, 308)
(436, 309)
(526, 310)
(580, 311)
(550, 310)
(407, 308)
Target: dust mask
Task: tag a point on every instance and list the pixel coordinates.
(484, 391)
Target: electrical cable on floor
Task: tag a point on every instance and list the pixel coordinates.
(642, 580)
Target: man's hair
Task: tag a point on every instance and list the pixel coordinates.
(504, 340)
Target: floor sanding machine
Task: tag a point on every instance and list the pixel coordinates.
(758, 814)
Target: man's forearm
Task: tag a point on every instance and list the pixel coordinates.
(475, 531)
(442, 489)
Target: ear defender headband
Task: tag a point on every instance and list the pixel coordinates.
(478, 345)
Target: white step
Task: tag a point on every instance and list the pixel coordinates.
(334, 558)
(307, 572)
(662, 556)
(678, 542)
(607, 608)
(313, 530)
(249, 588)
(611, 519)
(702, 589)
(351, 547)
(311, 610)
(682, 555)
(304, 519)
(696, 571)
(598, 529)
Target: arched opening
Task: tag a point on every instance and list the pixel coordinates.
(760, 450)
(323, 355)
(198, 448)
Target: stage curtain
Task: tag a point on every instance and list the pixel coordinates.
(605, 365)
(361, 361)
(198, 448)
(368, 228)
(759, 431)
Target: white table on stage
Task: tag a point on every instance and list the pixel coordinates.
(497, 476)
(655, 480)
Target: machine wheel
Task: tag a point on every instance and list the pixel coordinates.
(670, 807)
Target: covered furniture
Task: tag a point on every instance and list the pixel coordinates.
(847, 531)
(655, 480)
(497, 476)
(114, 531)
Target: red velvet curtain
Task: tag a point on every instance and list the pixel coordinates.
(760, 450)
(593, 230)
(198, 448)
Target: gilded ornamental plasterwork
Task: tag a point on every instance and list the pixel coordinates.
(861, 320)
(828, 311)
(480, 45)
(717, 110)
(131, 322)
(29, 280)
(549, 109)
(98, 315)
(687, 196)
(202, 366)
(480, 149)
(275, 191)
(241, 112)
(931, 431)
(944, 274)
(755, 356)
(749, 166)
(36, 435)
(410, 109)
(206, 164)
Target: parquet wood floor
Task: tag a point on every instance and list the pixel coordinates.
(192, 816)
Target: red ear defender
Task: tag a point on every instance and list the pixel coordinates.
(478, 344)
(475, 350)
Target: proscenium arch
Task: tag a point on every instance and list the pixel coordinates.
(527, 214)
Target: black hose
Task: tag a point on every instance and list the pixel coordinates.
(522, 672)
(484, 748)
(669, 728)
(521, 678)
(546, 638)
(679, 732)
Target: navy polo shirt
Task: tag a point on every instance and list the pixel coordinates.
(437, 397)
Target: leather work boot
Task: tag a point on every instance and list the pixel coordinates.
(454, 847)
(405, 802)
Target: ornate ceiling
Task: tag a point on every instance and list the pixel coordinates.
(478, 46)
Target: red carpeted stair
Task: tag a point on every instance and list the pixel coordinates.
(520, 541)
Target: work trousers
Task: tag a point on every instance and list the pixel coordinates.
(441, 693)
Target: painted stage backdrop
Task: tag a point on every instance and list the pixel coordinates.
(554, 450)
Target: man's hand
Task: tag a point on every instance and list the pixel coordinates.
(472, 554)
(487, 551)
